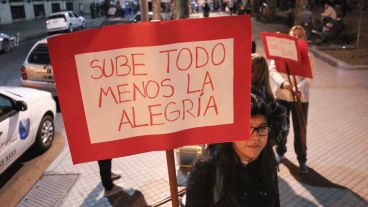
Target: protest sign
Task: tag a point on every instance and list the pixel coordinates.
(128, 89)
(283, 49)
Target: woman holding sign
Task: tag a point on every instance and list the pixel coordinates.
(293, 94)
(241, 173)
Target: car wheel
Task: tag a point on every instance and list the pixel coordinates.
(45, 134)
(83, 25)
(70, 29)
(6, 46)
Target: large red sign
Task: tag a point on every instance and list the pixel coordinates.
(128, 89)
(287, 51)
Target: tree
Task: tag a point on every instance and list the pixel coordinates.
(299, 7)
(360, 8)
(271, 5)
(181, 9)
(156, 9)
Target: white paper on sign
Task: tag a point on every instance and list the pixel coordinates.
(281, 47)
(140, 91)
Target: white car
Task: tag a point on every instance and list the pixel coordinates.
(37, 71)
(7, 42)
(65, 21)
(26, 120)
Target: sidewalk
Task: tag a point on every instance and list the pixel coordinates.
(34, 29)
(337, 152)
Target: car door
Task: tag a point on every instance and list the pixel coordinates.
(74, 19)
(78, 19)
(15, 134)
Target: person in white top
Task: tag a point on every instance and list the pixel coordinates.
(329, 12)
(285, 97)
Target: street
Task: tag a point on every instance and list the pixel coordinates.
(12, 62)
(23, 174)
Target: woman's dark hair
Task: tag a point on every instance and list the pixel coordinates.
(265, 163)
(260, 75)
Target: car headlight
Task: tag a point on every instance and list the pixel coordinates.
(1, 39)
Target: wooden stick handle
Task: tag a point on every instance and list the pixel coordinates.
(172, 178)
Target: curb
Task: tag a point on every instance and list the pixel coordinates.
(336, 62)
(43, 33)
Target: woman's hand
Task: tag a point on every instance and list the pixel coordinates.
(286, 85)
(296, 92)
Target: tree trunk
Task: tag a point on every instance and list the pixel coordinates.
(360, 8)
(255, 7)
(144, 10)
(156, 8)
(181, 10)
(271, 4)
(299, 7)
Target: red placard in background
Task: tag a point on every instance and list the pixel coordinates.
(300, 65)
(116, 85)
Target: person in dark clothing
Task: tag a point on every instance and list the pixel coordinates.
(206, 9)
(107, 178)
(333, 31)
(241, 173)
(92, 8)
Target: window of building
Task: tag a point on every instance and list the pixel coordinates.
(18, 12)
(39, 10)
(69, 6)
(55, 7)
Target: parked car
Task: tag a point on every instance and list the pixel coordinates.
(37, 70)
(7, 42)
(137, 17)
(65, 21)
(26, 120)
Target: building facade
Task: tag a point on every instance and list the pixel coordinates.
(20, 10)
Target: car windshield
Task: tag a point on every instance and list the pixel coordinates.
(40, 55)
(56, 16)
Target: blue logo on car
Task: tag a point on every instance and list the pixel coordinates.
(24, 126)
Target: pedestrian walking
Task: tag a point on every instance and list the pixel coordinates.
(92, 8)
(285, 97)
(206, 9)
(81, 9)
(107, 178)
(241, 173)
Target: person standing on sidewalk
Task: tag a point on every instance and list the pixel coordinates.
(107, 178)
(206, 9)
(285, 97)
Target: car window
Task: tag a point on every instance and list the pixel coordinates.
(71, 14)
(6, 105)
(40, 55)
(75, 14)
(57, 16)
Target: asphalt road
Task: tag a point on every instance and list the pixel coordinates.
(25, 172)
